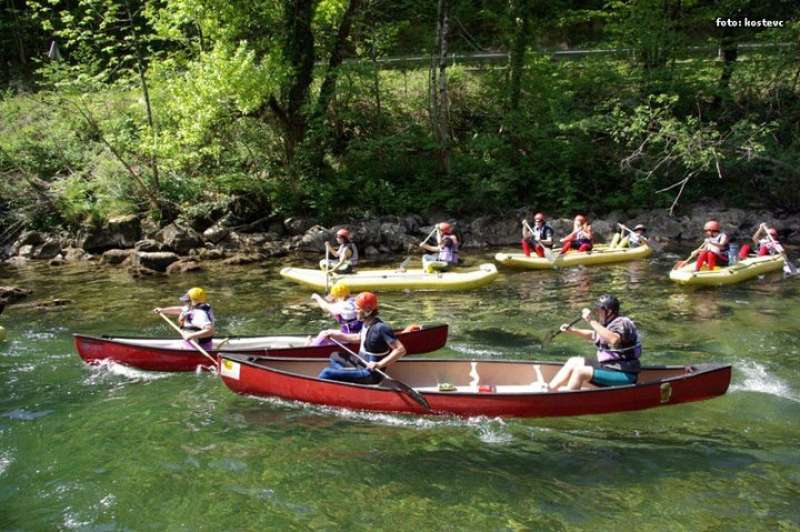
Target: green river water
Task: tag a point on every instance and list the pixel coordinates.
(111, 448)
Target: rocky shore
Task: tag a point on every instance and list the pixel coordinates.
(143, 249)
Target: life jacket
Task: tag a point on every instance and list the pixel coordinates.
(713, 244)
(634, 240)
(342, 252)
(448, 251)
(545, 232)
(348, 317)
(188, 316)
(372, 348)
(581, 236)
(773, 247)
(627, 353)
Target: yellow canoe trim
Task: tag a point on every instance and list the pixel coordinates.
(741, 271)
(386, 280)
(601, 254)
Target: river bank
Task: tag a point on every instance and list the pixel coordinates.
(138, 245)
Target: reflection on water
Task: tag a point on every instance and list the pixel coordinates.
(109, 447)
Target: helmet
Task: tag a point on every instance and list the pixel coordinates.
(445, 228)
(773, 232)
(340, 289)
(711, 225)
(344, 233)
(608, 302)
(367, 301)
(538, 217)
(581, 217)
(640, 227)
(195, 295)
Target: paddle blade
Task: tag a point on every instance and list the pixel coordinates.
(408, 390)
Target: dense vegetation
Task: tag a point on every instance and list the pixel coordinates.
(259, 108)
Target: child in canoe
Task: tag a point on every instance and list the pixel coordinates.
(713, 251)
(195, 318)
(446, 250)
(342, 307)
(538, 237)
(633, 239)
(766, 245)
(581, 236)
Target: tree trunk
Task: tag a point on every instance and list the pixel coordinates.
(328, 89)
(520, 12)
(441, 107)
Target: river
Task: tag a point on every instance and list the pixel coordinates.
(112, 448)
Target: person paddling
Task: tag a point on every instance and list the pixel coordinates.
(714, 249)
(766, 245)
(634, 239)
(342, 307)
(618, 346)
(196, 318)
(581, 236)
(379, 346)
(538, 237)
(346, 254)
(446, 250)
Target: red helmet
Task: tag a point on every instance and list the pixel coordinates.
(581, 217)
(445, 228)
(538, 217)
(711, 225)
(367, 301)
(344, 233)
(773, 232)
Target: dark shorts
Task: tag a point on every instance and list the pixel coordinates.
(609, 376)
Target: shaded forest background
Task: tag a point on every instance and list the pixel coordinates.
(252, 109)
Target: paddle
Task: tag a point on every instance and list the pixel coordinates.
(191, 341)
(788, 267)
(405, 262)
(650, 241)
(400, 386)
(327, 267)
(548, 253)
(551, 336)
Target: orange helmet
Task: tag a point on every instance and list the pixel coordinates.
(711, 225)
(445, 228)
(344, 233)
(538, 217)
(367, 301)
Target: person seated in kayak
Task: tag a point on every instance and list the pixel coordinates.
(714, 249)
(195, 318)
(581, 236)
(342, 307)
(633, 239)
(766, 245)
(345, 256)
(538, 237)
(446, 250)
(379, 346)
(616, 362)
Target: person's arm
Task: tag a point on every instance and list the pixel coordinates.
(331, 249)
(344, 256)
(724, 241)
(323, 303)
(428, 247)
(398, 350)
(169, 311)
(569, 237)
(525, 233)
(588, 230)
(757, 234)
(582, 333)
(339, 336)
(611, 338)
(206, 331)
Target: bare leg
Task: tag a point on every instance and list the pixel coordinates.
(564, 373)
(578, 377)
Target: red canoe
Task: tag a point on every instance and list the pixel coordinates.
(482, 387)
(154, 354)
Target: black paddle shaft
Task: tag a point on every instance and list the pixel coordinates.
(573, 322)
(394, 383)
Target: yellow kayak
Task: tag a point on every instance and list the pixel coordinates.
(2, 333)
(741, 271)
(601, 254)
(393, 280)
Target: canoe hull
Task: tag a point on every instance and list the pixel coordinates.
(741, 271)
(251, 378)
(95, 350)
(387, 280)
(599, 255)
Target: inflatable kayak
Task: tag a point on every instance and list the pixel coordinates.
(2, 333)
(601, 254)
(741, 271)
(394, 280)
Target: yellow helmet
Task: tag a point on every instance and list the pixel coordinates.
(340, 289)
(195, 295)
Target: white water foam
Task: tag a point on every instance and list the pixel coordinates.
(490, 430)
(5, 461)
(757, 379)
(104, 368)
(467, 350)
